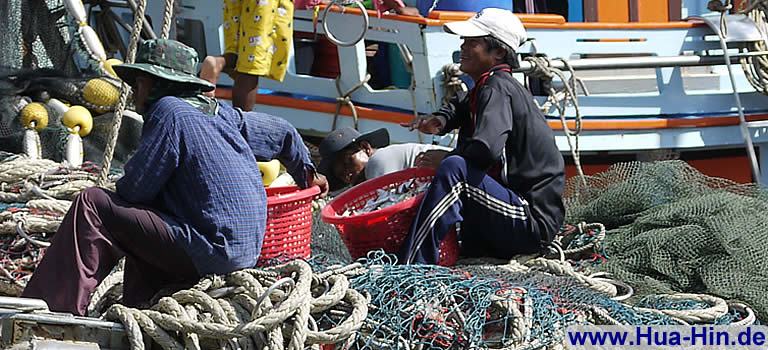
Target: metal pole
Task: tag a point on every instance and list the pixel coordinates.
(641, 62)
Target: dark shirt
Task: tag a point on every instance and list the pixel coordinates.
(200, 172)
(509, 133)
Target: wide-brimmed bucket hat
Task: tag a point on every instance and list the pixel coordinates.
(340, 139)
(165, 59)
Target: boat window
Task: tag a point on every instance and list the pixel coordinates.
(387, 65)
(315, 55)
(191, 32)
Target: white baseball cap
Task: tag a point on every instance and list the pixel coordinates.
(499, 23)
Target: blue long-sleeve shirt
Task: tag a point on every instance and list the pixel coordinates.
(200, 172)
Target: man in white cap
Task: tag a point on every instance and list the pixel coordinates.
(504, 181)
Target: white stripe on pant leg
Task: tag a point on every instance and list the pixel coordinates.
(480, 196)
(421, 232)
(483, 199)
(496, 205)
(439, 208)
(492, 199)
(517, 214)
(442, 206)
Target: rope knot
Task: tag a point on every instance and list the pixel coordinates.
(345, 98)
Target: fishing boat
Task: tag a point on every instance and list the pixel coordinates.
(655, 86)
(650, 86)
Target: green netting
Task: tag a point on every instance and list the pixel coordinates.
(673, 229)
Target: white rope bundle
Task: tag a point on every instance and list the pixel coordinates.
(562, 268)
(542, 69)
(718, 307)
(452, 81)
(251, 309)
(559, 267)
(756, 67)
(112, 286)
(21, 168)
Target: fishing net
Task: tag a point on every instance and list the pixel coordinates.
(326, 241)
(36, 34)
(673, 229)
(477, 306)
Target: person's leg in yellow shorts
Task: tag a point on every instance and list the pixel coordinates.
(258, 35)
(212, 66)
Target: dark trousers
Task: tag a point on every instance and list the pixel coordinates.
(99, 229)
(495, 221)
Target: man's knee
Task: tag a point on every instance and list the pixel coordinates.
(94, 197)
(452, 166)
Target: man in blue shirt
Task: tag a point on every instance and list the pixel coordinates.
(191, 201)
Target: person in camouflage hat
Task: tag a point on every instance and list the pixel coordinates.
(172, 66)
(165, 59)
(191, 202)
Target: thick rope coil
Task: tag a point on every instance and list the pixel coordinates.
(559, 268)
(21, 168)
(50, 205)
(555, 267)
(593, 246)
(109, 149)
(717, 309)
(620, 286)
(20, 221)
(345, 98)
(10, 197)
(109, 286)
(749, 318)
(542, 69)
(521, 318)
(755, 67)
(31, 223)
(240, 308)
(601, 316)
(452, 81)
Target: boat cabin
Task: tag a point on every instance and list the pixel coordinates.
(655, 109)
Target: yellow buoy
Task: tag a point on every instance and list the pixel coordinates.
(36, 113)
(78, 116)
(269, 171)
(108, 64)
(101, 93)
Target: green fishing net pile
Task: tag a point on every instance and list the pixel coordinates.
(673, 229)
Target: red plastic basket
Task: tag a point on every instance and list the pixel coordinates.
(289, 224)
(385, 228)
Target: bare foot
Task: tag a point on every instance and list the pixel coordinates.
(210, 71)
(408, 11)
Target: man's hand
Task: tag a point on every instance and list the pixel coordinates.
(317, 179)
(429, 125)
(430, 159)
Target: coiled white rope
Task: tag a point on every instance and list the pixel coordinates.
(249, 308)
